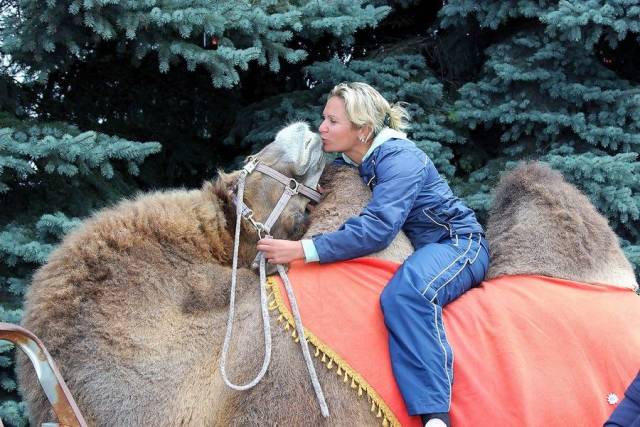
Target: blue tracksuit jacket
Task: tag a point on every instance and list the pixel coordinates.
(408, 194)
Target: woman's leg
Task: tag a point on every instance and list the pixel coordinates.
(412, 302)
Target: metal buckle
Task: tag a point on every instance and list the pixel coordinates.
(251, 164)
(292, 190)
(260, 228)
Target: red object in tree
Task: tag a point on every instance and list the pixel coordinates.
(214, 42)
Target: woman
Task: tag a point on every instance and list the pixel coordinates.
(450, 254)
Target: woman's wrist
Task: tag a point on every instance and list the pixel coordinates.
(310, 251)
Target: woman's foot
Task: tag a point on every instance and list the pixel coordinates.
(440, 419)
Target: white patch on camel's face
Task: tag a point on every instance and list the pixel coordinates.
(297, 145)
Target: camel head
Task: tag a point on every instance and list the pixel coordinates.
(296, 153)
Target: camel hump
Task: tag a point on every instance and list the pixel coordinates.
(541, 224)
(530, 179)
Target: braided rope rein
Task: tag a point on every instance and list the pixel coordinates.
(266, 328)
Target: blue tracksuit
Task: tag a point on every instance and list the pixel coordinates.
(450, 257)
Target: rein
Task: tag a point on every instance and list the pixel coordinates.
(291, 187)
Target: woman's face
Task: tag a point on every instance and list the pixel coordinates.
(336, 130)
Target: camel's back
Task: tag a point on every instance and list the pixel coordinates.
(552, 349)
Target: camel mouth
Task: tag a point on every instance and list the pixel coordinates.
(314, 140)
(310, 173)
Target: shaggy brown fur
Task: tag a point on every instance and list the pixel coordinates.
(540, 224)
(346, 196)
(133, 304)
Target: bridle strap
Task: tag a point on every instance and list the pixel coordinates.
(278, 208)
(299, 187)
(240, 207)
(291, 188)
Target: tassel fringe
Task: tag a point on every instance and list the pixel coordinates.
(330, 359)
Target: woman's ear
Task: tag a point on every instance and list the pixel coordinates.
(366, 132)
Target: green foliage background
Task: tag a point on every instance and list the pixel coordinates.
(100, 99)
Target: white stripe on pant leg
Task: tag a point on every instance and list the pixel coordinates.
(444, 351)
(444, 330)
(478, 252)
(458, 272)
(445, 269)
(464, 264)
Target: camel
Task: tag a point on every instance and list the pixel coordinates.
(130, 303)
(137, 331)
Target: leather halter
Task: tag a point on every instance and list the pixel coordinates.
(291, 188)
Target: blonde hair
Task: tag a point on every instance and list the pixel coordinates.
(365, 106)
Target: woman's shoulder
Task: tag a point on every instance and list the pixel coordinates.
(399, 156)
(400, 147)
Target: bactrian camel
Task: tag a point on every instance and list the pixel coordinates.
(133, 304)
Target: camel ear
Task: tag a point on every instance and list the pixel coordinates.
(228, 180)
(222, 185)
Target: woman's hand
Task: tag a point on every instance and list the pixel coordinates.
(278, 251)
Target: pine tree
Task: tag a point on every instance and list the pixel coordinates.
(51, 176)
(223, 37)
(171, 72)
(548, 91)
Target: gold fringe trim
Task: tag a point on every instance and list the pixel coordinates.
(330, 358)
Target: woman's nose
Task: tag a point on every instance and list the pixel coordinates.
(323, 127)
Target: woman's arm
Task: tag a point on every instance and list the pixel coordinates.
(277, 251)
(401, 174)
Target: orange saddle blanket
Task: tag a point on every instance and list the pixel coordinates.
(529, 350)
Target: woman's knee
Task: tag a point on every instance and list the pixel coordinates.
(389, 300)
(399, 292)
(396, 295)
(481, 265)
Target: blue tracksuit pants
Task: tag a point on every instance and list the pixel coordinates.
(412, 302)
